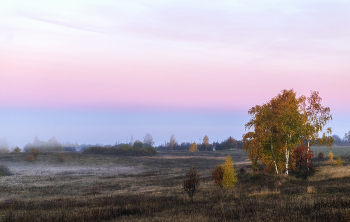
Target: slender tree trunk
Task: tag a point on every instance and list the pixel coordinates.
(274, 161)
(307, 160)
(287, 160)
(275, 167)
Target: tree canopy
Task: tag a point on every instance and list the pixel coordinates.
(193, 147)
(282, 124)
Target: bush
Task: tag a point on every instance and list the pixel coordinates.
(338, 162)
(191, 182)
(330, 158)
(61, 158)
(242, 170)
(321, 156)
(30, 158)
(301, 161)
(217, 175)
(35, 152)
(5, 171)
(17, 150)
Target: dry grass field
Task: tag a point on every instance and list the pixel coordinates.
(109, 188)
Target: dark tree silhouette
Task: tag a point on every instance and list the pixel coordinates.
(191, 182)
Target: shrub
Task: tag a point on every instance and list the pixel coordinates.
(35, 152)
(30, 158)
(321, 156)
(17, 150)
(61, 158)
(217, 175)
(338, 162)
(330, 158)
(191, 181)
(301, 161)
(242, 170)
(5, 171)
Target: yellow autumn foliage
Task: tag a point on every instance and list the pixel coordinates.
(230, 176)
(330, 156)
(193, 147)
(338, 162)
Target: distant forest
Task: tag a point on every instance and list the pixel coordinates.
(229, 143)
(345, 141)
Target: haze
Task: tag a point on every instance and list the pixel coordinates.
(101, 71)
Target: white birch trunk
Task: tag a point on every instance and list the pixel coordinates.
(274, 161)
(275, 167)
(307, 160)
(287, 159)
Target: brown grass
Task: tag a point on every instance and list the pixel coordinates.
(152, 190)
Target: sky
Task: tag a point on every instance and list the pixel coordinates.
(99, 71)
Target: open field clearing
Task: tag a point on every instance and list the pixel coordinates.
(108, 188)
(337, 150)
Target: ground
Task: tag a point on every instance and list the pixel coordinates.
(109, 188)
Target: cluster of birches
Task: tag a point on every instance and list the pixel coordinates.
(223, 175)
(283, 130)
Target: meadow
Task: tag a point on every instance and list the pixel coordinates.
(125, 188)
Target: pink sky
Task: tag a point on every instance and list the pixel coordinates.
(172, 55)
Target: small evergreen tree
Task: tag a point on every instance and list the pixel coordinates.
(330, 156)
(230, 176)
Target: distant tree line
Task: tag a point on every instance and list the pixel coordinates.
(138, 149)
(229, 143)
(133, 148)
(51, 145)
(345, 141)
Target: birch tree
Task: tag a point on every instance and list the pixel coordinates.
(281, 125)
(317, 116)
(206, 142)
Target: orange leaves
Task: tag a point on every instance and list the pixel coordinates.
(193, 147)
